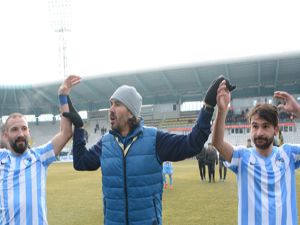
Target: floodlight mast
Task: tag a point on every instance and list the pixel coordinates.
(60, 19)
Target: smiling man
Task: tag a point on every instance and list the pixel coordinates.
(23, 169)
(265, 173)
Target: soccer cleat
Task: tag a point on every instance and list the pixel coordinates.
(165, 186)
(171, 187)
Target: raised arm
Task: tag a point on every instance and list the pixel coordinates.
(172, 147)
(65, 133)
(289, 104)
(83, 159)
(223, 99)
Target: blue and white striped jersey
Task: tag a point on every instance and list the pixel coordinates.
(23, 186)
(167, 167)
(266, 185)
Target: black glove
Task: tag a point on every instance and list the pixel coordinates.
(73, 115)
(211, 93)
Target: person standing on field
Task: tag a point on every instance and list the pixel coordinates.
(222, 168)
(211, 161)
(168, 171)
(201, 157)
(23, 170)
(131, 156)
(265, 173)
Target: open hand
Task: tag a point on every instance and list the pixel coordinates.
(223, 97)
(289, 103)
(68, 83)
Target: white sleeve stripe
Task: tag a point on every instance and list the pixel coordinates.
(277, 192)
(34, 195)
(45, 152)
(22, 190)
(287, 186)
(251, 192)
(265, 189)
(43, 187)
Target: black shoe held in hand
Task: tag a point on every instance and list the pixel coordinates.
(211, 94)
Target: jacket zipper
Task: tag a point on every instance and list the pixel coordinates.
(125, 191)
(124, 152)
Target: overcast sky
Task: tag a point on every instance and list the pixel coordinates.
(109, 37)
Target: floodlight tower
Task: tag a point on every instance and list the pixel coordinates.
(60, 19)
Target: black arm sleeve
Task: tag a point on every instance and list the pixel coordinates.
(173, 147)
(84, 159)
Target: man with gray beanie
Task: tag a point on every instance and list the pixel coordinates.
(131, 156)
(130, 98)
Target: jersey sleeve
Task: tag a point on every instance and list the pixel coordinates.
(235, 161)
(294, 150)
(46, 154)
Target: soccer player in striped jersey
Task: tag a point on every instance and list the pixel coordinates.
(23, 169)
(168, 170)
(265, 173)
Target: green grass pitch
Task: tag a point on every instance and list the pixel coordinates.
(75, 198)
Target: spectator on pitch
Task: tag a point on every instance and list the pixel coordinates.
(265, 173)
(23, 169)
(280, 138)
(249, 145)
(211, 161)
(201, 157)
(168, 170)
(131, 155)
(222, 168)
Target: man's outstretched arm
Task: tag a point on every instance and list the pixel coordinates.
(223, 99)
(65, 133)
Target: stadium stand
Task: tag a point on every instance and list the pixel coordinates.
(177, 122)
(43, 132)
(256, 80)
(237, 131)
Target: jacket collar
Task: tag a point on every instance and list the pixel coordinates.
(136, 132)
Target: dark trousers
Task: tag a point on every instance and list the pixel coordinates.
(201, 169)
(211, 171)
(221, 168)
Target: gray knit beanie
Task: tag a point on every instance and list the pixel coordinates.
(129, 96)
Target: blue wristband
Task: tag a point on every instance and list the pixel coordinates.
(63, 100)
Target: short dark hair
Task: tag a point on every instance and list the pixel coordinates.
(265, 111)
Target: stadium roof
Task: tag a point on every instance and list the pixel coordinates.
(253, 77)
